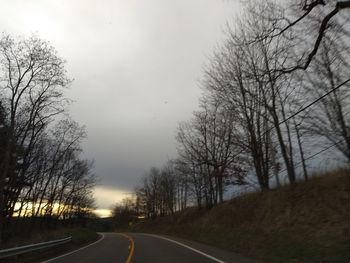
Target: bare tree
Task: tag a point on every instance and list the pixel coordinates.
(244, 75)
(329, 118)
(310, 19)
(32, 79)
(209, 142)
(41, 170)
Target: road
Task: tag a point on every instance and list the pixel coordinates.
(144, 248)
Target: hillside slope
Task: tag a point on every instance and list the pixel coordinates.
(309, 222)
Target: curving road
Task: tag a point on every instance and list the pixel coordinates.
(144, 248)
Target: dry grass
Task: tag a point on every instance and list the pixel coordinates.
(309, 222)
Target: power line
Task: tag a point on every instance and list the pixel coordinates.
(315, 101)
(307, 106)
(323, 150)
(314, 155)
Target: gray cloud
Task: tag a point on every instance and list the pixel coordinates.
(135, 66)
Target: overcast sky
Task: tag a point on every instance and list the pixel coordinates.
(136, 66)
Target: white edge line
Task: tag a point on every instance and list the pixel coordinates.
(188, 247)
(61, 256)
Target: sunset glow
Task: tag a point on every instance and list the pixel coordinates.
(102, 213)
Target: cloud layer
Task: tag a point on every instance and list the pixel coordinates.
(136, 66)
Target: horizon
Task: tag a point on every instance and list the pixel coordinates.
(165, 44)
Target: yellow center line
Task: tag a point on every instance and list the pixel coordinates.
(131, 247)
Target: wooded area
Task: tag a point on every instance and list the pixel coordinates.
(275, 96)
(43, 176)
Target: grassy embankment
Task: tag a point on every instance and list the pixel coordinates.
(309, 222)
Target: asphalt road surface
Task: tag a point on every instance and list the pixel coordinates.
(144, 248)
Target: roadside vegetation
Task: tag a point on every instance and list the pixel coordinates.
(44, 179)
(274, 112)
(309, 222)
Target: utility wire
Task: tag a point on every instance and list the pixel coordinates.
(314, 155)
(307, 106)
(315, 101)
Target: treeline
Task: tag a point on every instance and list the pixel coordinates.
(275, 95)
(42, 172)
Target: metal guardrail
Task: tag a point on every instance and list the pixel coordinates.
(9, 252)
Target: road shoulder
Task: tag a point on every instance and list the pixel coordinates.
(218, 253)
